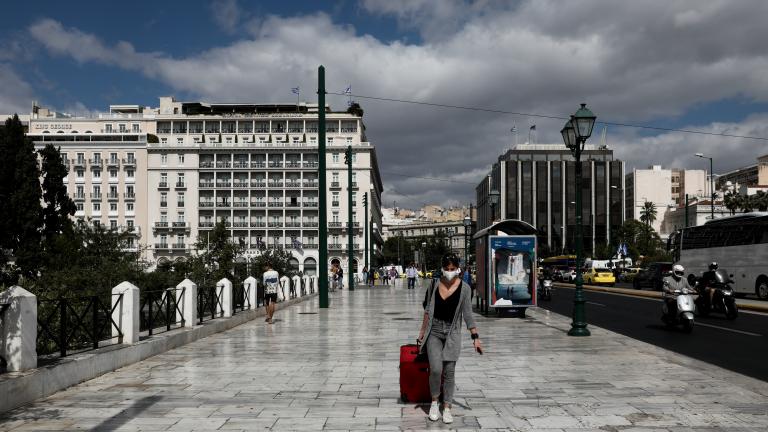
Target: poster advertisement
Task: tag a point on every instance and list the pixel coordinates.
(512, 272)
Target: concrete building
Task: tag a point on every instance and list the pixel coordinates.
(537, 185)
(176, 170)
(453, 233)
(665, 188)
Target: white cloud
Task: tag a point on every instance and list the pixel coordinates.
(226, 14)
(632, 62)
(15, 94)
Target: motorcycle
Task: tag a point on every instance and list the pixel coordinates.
(723, 299)
(682, 313)
(545, 289)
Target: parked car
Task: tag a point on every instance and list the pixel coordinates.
(628, 274)
(653, 276)
(599, 276)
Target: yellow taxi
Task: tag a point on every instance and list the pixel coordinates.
(599, 276)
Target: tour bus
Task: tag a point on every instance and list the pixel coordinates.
(739, 244)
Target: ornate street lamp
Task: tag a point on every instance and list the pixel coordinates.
(467, 228)
(575, 134)
(493, 199)
(424, 252)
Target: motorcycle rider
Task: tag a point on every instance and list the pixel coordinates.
(673, 283)
(706, 282)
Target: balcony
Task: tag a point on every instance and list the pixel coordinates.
(258, 183)
(205, 204)
(162, 185)
(276, 204)
(240, 224)
(129, 162)
(206, 184)
(241, 164)
(273, 164)
(311, 184)
(223, 164)
(311, 224)
(161, 246)
(129, 196)
(310, 204)
(354, 224)
(348, 130)
(78, 196)
(334, 203)
(258, 224)
(258, 204)
(334, 246)
(293, 204)
(163, 203)
(262, 130)
(78, 163)
(113, 196)
(161, 225)
(223, 204)
(275, 224)
(354, 185)
(96, 196)
(275, 184)
(223, 184)
(294, 130)
(205, 224)
(180, 204)
(310, 245)
(206, 164)
(240, 204)
(334, 224)
(96, 162)
(178, 246)
(293, 224)
(293, 164)
(113, 162)
(258, 164)
(293, 184)
(181, 185)
(335, 185)
(180, 225)
(240, 184)
(310, 164)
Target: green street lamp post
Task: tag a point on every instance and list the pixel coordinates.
(424, 253)
(575, 134)
(350, 220)
(323, 205)
(467, 227)
(365, 227)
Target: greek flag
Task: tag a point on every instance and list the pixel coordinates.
(295, 90)
(348, 90)
(624, 250)
(296, 243)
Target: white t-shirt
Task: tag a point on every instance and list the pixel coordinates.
(271, 282)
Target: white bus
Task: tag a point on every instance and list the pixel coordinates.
(739, 244)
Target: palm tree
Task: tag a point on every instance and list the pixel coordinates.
(761, 200)
(648, 213)
(731, 201)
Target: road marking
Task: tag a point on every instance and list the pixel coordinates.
(596, 304)
(728, 329)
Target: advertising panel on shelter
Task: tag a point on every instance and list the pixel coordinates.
(512, 273)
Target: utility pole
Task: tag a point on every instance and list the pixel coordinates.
(365, 227)
(686, 210)
(323, 204)
(350, 229)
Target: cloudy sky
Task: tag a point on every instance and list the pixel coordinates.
(682, 64)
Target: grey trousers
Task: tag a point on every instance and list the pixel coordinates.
(439, 369)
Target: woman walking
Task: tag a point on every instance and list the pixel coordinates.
(448, 302)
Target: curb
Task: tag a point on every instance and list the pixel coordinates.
(652, 294)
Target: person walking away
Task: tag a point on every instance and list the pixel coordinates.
(412, 274)
(365, 274)
(393, 274)
(271, 280)
(340, 275)
(448, 303)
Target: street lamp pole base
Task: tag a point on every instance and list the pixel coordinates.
(579, 329)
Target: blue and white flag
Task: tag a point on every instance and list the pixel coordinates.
(296, 243)
(624, 249)
(295, 90)
(348, 90)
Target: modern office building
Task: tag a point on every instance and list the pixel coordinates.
(536, 183)
(665, 188)
(174, 171)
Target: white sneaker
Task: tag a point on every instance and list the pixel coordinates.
(447, 417)
(434, 411)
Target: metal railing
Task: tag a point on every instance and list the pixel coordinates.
(209, 303)
(241, 297)
(68, 324)
(161, 308)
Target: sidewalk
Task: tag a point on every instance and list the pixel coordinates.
(336, 369)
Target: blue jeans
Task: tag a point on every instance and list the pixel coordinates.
(411, 282)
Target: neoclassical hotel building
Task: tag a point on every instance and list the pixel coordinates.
(168, 174)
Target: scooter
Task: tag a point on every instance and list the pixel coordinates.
(723, 299)
(545, 289)
(683, 312)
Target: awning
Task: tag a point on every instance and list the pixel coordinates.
(509, 227)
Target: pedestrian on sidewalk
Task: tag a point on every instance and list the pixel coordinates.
(340, 275)
(393, 274)
(412, 274)
(271, 280)
(365, 274)
(448, 302)
(385, 275)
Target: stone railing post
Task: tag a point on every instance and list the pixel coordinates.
(297, 286)
(18, 332)
(126, 314)
(313, 284)
(250, 284)
(188, 302)
(224, 287)
(285, 287)
(307, 286)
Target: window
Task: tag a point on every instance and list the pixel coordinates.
(79, 206)
(113, 173)
(113, 157)
(335, 157)
(163, 158)
(96, 191)
(180, 140)
(335, 216)
(108, 128)
(130, 173)
(313, 140)
(113, 206)
(97, 157)
(163, 199)
(180, 180)
(181, 158)
(129, 190)
(354, 199)
(163, 178)
(354, 157)
(135, 128)
(96, 206)
(129, 207)
(121, 127)
(79, 191)
(164, 140)
(181, 217)
(129, 224)
(131, 157)
(97, 174)
(181, 199)
(335, 177)
(80, 174)
(164, 217)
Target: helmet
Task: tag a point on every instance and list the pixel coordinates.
(713, 266)
(678, 270)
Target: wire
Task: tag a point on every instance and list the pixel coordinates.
(428, 178)
(522, 114)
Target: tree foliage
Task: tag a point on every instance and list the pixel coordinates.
(216, 256)
(59, 207)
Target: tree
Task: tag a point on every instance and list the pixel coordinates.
(640, 238)
(731, 201)
(59, 207)
(648, 213)
(20, 194)
(279, 259)
(218, 257)
(397, 250)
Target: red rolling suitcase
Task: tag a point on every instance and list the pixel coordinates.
(414, 375)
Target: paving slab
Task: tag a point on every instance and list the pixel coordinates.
(337, 369)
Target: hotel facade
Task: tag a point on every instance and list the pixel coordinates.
(169, 174)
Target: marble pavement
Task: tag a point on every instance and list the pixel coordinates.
(336, 369)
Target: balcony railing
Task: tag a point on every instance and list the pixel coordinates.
(276, 204)
(258, 224)
(113, 196)
(258, 183)
(258, 204)
(163, 185)
(223, 184)
(275, 184)
(258, 165)
(223, 164)
(292, 204)
(293, 164)
(240, 184)
(310, 245)
(293, 224)
(334, 246)
(354, 224)
(163, 203)
(206, 224)
(334, 203)
(161, 224)
(205, 184)
(310, 204)
(79, 196)
(129, 195)
(275, 224)
(113, 162)
(78, 162)
(335, 184)
(240, 224)
(221, 204)
(240, 204)
(293, 184)
(180, 225)
(311, 224)
(275, 164)
(334, 224)
(206, 164)
(98, 162)
(181, 185)
(178, 246)
(206, 204)
(96, 196)
(241, 164)
(294, 130)
(161, 246)
(311, 184)
(310, 164)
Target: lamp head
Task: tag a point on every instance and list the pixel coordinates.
(701, 155)
(583, 121)
(569, 135)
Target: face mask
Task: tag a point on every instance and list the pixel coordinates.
(449, 275)
(678, 275)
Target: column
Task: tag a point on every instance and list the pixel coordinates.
(224, 290)
(126, 314)
(186, 295)
(250, 286)
(18, 334)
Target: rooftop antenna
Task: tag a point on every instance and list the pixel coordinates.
(603, 142)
